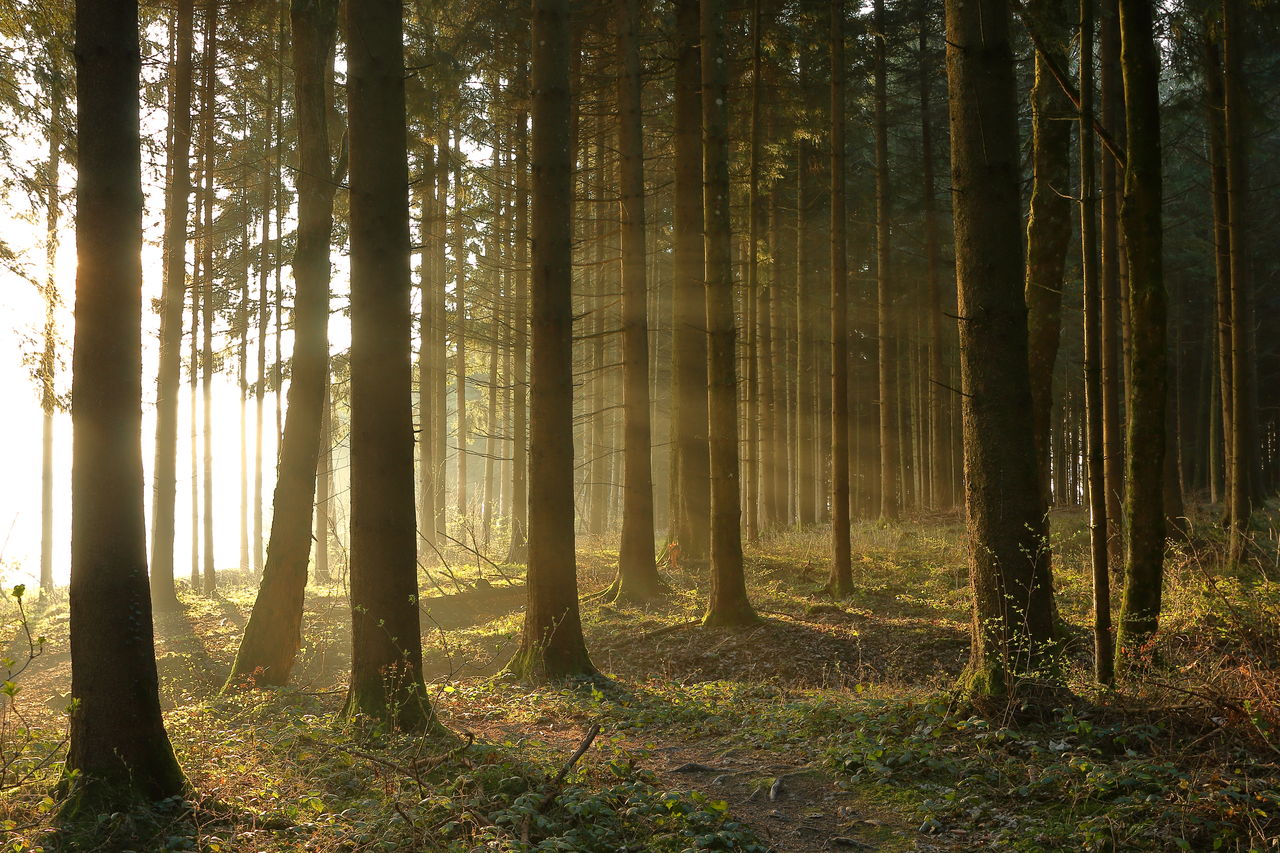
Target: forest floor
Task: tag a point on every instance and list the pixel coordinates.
(827, 726)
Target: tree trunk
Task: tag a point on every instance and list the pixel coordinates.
(941, 490)
(884, 281)
(324, 488)
(207, 120)
(119, 750)
(1103, 655)
(551, 643)
(691, 484)
(840, 583)
(48, 355)
(1109, 278)
(430, 288)
(1215, 120)
(637, 573)
(386, 661)
(1013, 624)
(518, 552)
(728, 604)
(460, 335)
(273, 633)
(1140, 212)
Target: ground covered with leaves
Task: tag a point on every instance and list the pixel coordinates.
(827, 726)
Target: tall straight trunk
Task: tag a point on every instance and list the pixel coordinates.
(48, 355)
(1112, 359)
(1243, 461)
(770, 517)
(779, 449)
(273, 633)
(885, 320)
(208, 121)
(119, 751)
(460, 333)
(551, 643)
(637, 573)
(1144, 497)
(1103, 654)
(386, 661)
(1048, 225)
(269, 198)
(841, 581)
(518, 552)
(169, 376)
(598, 448)
(440, 349)
(193, 378)
(691, 483)
(941, 491)
(728, 604)
(429, 286)
(1215, 120)
(752, 296)
(242, 381)
(806, 316)
(1013, 619)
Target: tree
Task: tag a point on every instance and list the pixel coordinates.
(1143, 236)
(728, 604)
(638, 577)
(841, 581)
(551, 643)
(1013, 626)
(119, 749)
(177, 197)
(886, 343)
(386, 660)
(273, 633)
(691, 477)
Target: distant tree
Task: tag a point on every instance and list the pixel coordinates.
(386, 661)
(1013, 620)
(273, 633)
(551, 642)
(119, 749)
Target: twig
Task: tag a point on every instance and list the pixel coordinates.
(568, 765)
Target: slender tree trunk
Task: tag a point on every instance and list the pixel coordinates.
(551, 643)
(324, 487)
(884, 280)
(119, 751)
(518, 552)
(1109, 279)
(637, 573)
(752, 296)
(598, 449)
(691, 484)
(429, 287)
(48, 355)
(440, 383)
(941, 492)
(460, 335)
(386, 661)
(1103, 655)
(273, 633)
(841, 581)
(728, 604)
(208, 122)
(1215, 121)
(1144, 505)
(1013, 622)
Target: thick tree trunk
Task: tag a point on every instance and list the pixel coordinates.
(728, 604)
(551, 643)
(840, 582)
(273, 633)
(691, 483)
(119, 750)
(637, 573)
(1013, 620)
(1144, 498)
(386, 661)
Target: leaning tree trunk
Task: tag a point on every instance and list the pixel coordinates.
(1140, 214)
(273, 634)
(551, 643)
(119, 750)
(728, 603)
(386, 660)
(637, 573)
(1013, 626)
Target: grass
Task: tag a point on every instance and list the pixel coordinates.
(829, 723)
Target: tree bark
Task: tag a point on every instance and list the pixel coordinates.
(1112, 357)
(551, 642)
(1013, 624)
(208, 129)
(386, 661)
(119, 749)
(884, 280)
(840, 582)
